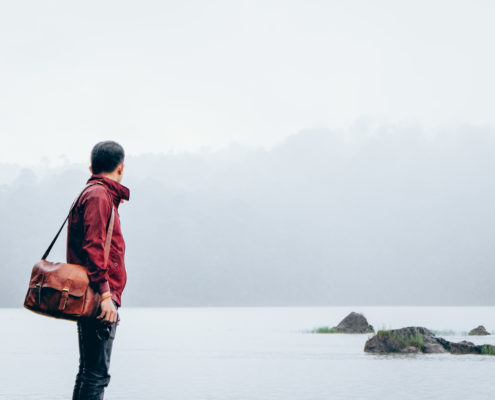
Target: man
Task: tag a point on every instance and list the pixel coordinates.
(87, 229)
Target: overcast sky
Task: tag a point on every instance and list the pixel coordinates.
(163, 76)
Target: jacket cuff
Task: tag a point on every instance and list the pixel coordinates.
(103, 287)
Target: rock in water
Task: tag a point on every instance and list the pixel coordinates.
(405, 340)
(479, 331)
(415, 339)
(354, 323)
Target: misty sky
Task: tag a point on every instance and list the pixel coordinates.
(162, 76)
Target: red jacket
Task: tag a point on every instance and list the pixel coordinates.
(87, 228)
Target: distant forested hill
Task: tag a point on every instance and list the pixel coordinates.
(383, 217)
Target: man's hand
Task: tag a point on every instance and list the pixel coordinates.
(108, 311)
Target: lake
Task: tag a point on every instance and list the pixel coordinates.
(252, 353)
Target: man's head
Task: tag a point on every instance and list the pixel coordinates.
(107, 159)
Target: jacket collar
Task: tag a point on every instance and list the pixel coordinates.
(118, 192)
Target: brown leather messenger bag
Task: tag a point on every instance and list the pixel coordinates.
(62, 290)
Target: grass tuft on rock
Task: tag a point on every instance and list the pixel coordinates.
(325, 329)
(415, 340)
(488, 349)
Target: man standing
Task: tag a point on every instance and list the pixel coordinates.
(87, 230)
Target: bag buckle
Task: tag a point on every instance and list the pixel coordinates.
(64, 298)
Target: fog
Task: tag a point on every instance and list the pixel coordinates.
(182, 75)
(375, 216)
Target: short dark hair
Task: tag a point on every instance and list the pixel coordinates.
(106, 156)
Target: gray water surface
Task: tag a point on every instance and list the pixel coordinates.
(247, 353)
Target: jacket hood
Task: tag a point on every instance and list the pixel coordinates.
(118, 191)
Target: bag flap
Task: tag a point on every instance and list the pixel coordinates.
(60, 276)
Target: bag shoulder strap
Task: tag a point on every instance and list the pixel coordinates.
(108, 238)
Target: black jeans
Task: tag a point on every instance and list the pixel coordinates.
(94, 360)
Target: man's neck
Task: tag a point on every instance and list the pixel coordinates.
(113, 177)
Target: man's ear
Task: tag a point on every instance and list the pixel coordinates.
(120, 169)
(91, 169)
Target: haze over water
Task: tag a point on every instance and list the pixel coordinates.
(247, 354)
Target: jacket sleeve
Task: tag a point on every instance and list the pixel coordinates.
(96, 214)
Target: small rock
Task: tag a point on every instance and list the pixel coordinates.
(479, 331)
(410, 349)
(464, 347)
(354, 323)
(431, 348)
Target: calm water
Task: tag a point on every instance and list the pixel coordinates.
(247, 353)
